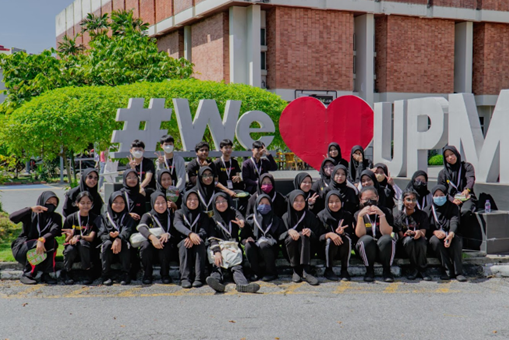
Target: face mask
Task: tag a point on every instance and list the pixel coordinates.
(440, 200)
(168, 148)
(420, 185)
(266, 188)
(264, 209)
(137, 154)
(380, 177)
(51, 207)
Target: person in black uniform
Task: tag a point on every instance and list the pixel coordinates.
(267, 186)
(358, 163)
(368, 179)
(419, 183)
(321, 185)
(116, 228)
(165, 181)
(349, 198)
(161, 247)
(81, 229)
(412, 225)
(303, 181)
(227, 222)
(386, 183)
(335, 153)
(193, 225)
(144, 167)
(301, 227)
(227, 168)
(88, 182)
(206, 189)
(373, 228)
(260, 238)
(41, 224)
(254, 167)
(336, 229)
(443, 216)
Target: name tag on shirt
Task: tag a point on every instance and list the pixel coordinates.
(229, 184)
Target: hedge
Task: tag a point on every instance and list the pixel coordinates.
(436, 160)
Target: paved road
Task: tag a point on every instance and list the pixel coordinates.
(15, 197)
(402, 310)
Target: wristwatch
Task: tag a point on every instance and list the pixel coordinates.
(41, 239)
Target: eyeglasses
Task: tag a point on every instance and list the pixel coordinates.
(208, 176)
(93, 177)
(410, 200)
(192, 200)
(221, 202)
(160, 203)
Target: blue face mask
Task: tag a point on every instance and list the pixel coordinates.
(264, 208)
(440, 200)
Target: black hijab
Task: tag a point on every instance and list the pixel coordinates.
(323, 175)
(226, 216)
(118, 218)
(357, 167)
(264, 220)
(188, 213)
(206, 191)
(386, 173)
(442, 212)
(45, 218)
(421, 190)
(158, 181)
(330, 217)
(335, 185)
(372, 176)
(259, 190)
(452, 170)
(132, 192)
(338, 159)
(297, 181)
(293, 216)
(85, 187)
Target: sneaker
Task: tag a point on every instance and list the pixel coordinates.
(445, 276)
(166, 280)
(296, 277)
(345, 275)
(370, 274)
(107, 281)
(330, 275)
(268, 278)
(413, 274)
(27, 280)
(125, 280)
(461, 278)
(310, 279)
(215, 284)
(46, 277)
(387, 275)
(249, 288)
(185, 284)
(197, 284)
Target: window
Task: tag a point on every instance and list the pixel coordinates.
(263, 37)
(264, 61)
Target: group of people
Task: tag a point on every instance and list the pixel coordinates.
(206, 225)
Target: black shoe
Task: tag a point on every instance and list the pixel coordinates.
(249, 288)
(413, 274)
(310, 279)
(66, 277)
(345, 276)
(27, 280)
(107, 281)
(268, 278)
(88, 279)
(330, 275)
(296, 277)
(185, 284)
(370, 274)
(254, 277)
(461, 278)
(425, 276)
(197, 284)
(147, 280)
(387, 275)
(445, 276)
(125, 280)
(215, 284)
(166, 280)
(48, 279)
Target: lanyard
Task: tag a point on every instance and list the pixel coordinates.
(227, 170)
(79, 222)
(203, 200)
(194, 223)
(422, 205)
(459, 180)
(127, 200)
(141, 171)
(258, 169)
(113, 223)
(259, 227)
(170, 168)
(226, 230)
(373, 224)
(39, 228)
(159, 224)
(441, 225)
(303, 215)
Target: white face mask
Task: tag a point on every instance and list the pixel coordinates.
(137, 154)
(168, 148)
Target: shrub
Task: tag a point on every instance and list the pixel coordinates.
(436, 160)
(8, 230)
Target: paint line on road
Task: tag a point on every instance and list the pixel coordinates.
(343, 287)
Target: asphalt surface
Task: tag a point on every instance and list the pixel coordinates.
(477, 309)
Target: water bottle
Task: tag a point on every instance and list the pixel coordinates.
(487, 206)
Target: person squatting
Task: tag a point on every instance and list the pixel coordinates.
(198, 216)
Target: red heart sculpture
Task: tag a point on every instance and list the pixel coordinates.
(307, 127)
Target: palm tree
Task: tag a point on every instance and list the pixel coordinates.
(95, 25)
(69, 47)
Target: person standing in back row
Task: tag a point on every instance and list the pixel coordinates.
(255, 166)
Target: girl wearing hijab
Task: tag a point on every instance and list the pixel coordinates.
(321, 185)
(267, 185)
(193, 227)
(301, 227)
(358, 163)
(390, 189)
(131, 191)
(157, 247)
(368, 179)
(227, 224)
(163, 182)
(373, 228)
(88, 182)
(349, 199)
(419, 183)
(41, 224)
(81, 229)
(304, 182)
(335, 153)
(116, 228)
(336, 229)
(443, 217)
(205, 188)
(260, 238)
(412, 225)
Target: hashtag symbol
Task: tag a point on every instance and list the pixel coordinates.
(132, 117)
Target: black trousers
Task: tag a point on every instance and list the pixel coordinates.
(266, 253)
(149, 254)
(299, 252)
(192, 258)
(381, 250)
(416, 251)
(47, 266)
(107, 257)
(449, 257)
(71, 253)
(237, 273)
(331, 251)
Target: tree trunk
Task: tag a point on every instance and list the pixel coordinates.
(73, 167)
(66, 165)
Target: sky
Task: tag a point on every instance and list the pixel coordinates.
(29, 24)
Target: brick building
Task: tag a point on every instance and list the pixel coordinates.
(380, 50)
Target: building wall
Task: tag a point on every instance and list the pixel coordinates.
(470, 4)
(210, 51)
(414, 55)
(182, 5)
(309, 49)
(494, 5)
(173, 44)
(164, 9)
